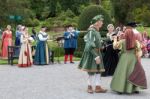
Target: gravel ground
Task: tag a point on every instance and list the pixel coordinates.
(57, 81)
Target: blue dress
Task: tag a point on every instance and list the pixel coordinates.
(17, 41)
(42, 52)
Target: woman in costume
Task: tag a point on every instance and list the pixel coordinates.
(6, 41)
(91, 60)
(18, 35)
(42, 52)
(129, 75)
(25, 56)
(110, 55)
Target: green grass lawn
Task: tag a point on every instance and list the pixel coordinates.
(4, 62)
(141, 29)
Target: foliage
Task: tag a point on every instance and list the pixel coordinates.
(62, 20)
(107, 5)
(124, 10)
(87, 15)
(142, 15)
(74, 5)
(31, 22)
(13, 8)
(81, 44)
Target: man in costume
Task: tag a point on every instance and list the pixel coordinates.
(70, 43)
(91, 60)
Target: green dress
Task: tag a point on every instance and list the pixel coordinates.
(91, 51)
(124, 68)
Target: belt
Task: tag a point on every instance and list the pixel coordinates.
(99, 49)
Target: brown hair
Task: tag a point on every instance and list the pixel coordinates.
(130, 39)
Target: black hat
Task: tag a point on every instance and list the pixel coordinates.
(43, 27)
(132, 24)
(69, 25)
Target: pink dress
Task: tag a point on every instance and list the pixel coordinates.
(6, 41)
(25, 56)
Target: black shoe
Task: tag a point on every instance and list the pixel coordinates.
(120, 93)
(136, 92)
(72, 62)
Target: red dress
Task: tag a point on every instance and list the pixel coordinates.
(6, 41)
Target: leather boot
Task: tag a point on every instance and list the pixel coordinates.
(99, 89)
(90, 90)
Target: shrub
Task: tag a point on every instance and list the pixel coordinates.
(58, 51)
(69, 13)
(35, 22)
(87, 15)
(31, 23)
(63, 19)
(81, 44)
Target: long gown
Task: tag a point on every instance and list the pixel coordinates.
(17, 40)
(6, 41)
(25, 56)
(42, 52)
(129, 75)
(110, 58)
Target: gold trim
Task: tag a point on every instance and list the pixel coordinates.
(137, 85)
(93, 70)
(47, 54)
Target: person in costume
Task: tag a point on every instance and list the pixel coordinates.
(6, 41)
(110, 57)
(70, 43)
(91, 60)
(129, 76)
(137, 34)
(19, 31)
(33, 34)
(18, 35)
(25, 56)
(42, 52)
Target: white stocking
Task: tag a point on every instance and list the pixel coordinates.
(90, 80)
(97, 79)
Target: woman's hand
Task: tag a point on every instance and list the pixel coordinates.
(115, 38)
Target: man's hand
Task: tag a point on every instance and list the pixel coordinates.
(97, 59)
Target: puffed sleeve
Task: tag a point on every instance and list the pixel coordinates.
(90, 44)
(22, 39)
(117, 44)
(41, 38)
(67, 35)
(138, 49)
(3, 35)
(74, 34)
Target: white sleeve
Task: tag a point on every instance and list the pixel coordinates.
(41, 38)
(22, 39)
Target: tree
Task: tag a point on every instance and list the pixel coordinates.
(123, 9)
(73, 5)
(13, 8)
(37, 6)
(87, 15)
